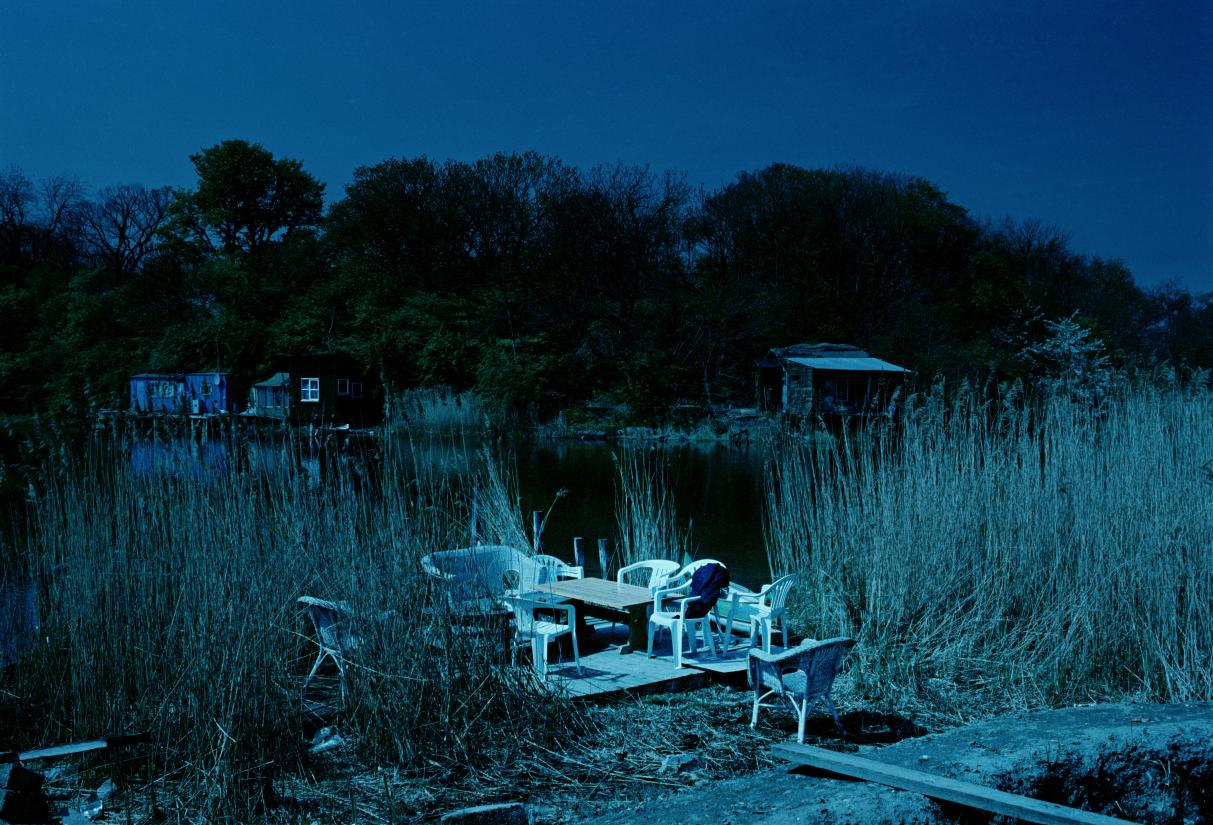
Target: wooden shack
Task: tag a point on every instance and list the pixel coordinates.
(272, 397)
(210, 393)
(157, 392)
(826, 380)
(331, 388)
(196, 393)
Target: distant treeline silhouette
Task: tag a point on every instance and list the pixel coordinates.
(539, 284)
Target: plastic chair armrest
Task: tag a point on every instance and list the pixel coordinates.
(660, 593)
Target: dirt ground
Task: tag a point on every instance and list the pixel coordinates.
(1146, 763)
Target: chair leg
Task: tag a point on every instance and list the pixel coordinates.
(676, 639)
(539, 655)
(766, 635)
(308, 679)
(340, 677)
(783, 626)
(652, 633)
(576, 655)
(834, 713)
(754, 714)
(802, 712)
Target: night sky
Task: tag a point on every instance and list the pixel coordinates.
(1095, 117)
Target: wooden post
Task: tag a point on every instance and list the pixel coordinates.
(604, 560)
(578, 552)
(537, 530)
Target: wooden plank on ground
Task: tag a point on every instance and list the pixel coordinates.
(941, 787)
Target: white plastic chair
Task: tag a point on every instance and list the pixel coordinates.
(764, 608)
(658, 571)
(541, 632)
(685, 574)
(334, 635)
(802, 677)
(553, 569)
(674, 618)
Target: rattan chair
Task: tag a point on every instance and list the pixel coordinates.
(334, 635)
(802, 677)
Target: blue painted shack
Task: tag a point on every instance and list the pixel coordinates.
(209, 393)
(157, 392)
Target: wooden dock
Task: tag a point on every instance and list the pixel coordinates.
(607, 672)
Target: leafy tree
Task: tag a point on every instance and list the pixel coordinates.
(246, 200)
(245, 239)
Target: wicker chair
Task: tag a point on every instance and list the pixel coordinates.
(335, 637)
(802, 677)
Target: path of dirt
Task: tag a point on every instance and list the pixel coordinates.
(1151, 763)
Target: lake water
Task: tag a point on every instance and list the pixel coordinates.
(717, 489)
(717, 492)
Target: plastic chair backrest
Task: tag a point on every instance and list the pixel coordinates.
(685, 575)
(659, 571)
(552, 568)
(777, 595)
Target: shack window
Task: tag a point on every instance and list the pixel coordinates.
(206, 387)
(343, 386)
(356, 389)
(309, 389)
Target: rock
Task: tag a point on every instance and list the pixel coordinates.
(504, 813)
(679, 763)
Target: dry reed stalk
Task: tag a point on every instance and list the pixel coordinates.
(644, 510)
(168, 605)
(1004, 558)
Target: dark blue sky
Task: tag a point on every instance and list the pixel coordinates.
(1096, 117)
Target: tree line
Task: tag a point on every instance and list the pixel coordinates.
(539, 284)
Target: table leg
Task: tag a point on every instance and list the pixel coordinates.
(638, 629)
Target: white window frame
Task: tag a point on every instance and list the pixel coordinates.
(309, 390)
(343, 386)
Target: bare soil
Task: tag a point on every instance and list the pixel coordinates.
(1144, 763)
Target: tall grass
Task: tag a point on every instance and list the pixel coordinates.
(988, 556)
(168, 605)
(438, 411)
(644, 510)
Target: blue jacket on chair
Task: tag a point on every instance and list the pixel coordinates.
(707, 583)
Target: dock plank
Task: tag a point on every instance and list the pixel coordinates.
(609, 672)
(941, 787)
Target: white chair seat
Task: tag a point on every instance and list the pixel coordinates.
(539, 633)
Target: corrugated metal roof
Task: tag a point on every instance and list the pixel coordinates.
(848, 364)
(278, 379)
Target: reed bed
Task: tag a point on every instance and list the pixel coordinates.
(168, 605)
(439, 411)
(1000, 555)
(645, 515)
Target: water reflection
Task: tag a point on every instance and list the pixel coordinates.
(717, 490)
